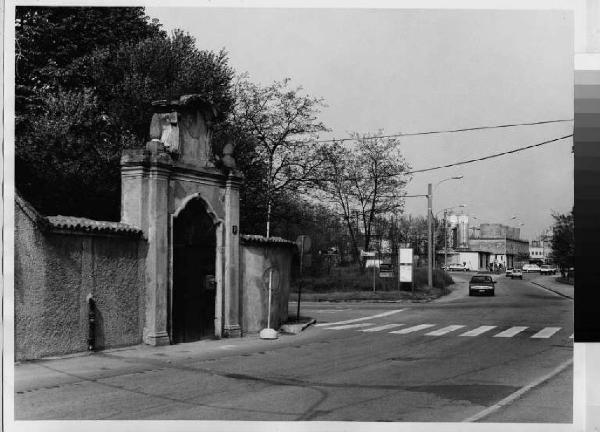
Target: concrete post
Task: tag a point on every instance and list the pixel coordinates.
(232, 259)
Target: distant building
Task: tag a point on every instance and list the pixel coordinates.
(540, 249)
(491, 244)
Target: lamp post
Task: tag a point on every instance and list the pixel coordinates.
(429, 230)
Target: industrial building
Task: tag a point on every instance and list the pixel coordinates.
(478, 247)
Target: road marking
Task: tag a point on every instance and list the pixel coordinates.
(383, 327)
(511, 332)
(384, 314)
(325, 310)
(478, 331)
(349, 326)
(413, 329)
(546, 333)
(514, 396)
(444, 330)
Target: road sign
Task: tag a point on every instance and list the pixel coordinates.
(406, 256)
(406, 273)
(386, 274)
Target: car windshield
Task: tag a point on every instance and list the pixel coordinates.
(481, 279)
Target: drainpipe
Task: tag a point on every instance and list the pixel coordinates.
(91, 303)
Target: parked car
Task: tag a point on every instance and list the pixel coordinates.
(509, 271)
(516, 274)
(457, 267)
(548, 270)
(531, 268)
(481, 284)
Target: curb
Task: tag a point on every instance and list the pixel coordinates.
(296, 328)
(551, 290)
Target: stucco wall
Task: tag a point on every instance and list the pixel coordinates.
(55, 272)
(255, 260)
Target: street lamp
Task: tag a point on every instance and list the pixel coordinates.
(429, 230)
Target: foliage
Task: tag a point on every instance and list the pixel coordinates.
(563, 240)
(364, 181)
(48, 39)
(348, 279)
(278, 124)
(85, 78)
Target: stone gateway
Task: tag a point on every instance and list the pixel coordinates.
(188, 273)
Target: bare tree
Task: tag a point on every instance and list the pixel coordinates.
(283, 125)
(363, 178)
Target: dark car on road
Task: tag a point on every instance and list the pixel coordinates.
(481, 284)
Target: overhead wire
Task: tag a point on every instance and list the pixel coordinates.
(489, 156)
(337, 140)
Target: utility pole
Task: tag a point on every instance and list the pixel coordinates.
(445, 241)
(430, 237)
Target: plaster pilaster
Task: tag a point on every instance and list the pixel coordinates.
(157, 259)
(231, 293)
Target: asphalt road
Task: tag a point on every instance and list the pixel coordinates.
(498, 359)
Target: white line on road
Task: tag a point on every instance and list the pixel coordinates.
(380, 328)
(510, 332)
(384, 314)
(546, 333)
(413, 329)
(444, 330)
(324, 310)
(512, 397)
(478, 331)
(349, 326)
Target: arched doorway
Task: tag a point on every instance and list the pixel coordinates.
(194, 287)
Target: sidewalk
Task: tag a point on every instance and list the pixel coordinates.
(550, 283)
(55, 371)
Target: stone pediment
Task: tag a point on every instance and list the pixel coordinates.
(184, 127)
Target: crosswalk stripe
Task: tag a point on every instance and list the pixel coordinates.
(444, 330)
(413, 329)
(349, 326)
(546, 332)
(478, 331)
(381, 315)
(511, 332)
(380, 328)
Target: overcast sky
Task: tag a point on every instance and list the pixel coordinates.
(423, 70)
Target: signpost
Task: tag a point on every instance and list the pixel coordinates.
(405, 267)
(303, 243)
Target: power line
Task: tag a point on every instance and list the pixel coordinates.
(489, 156)
(517, 150)
(448, 131)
